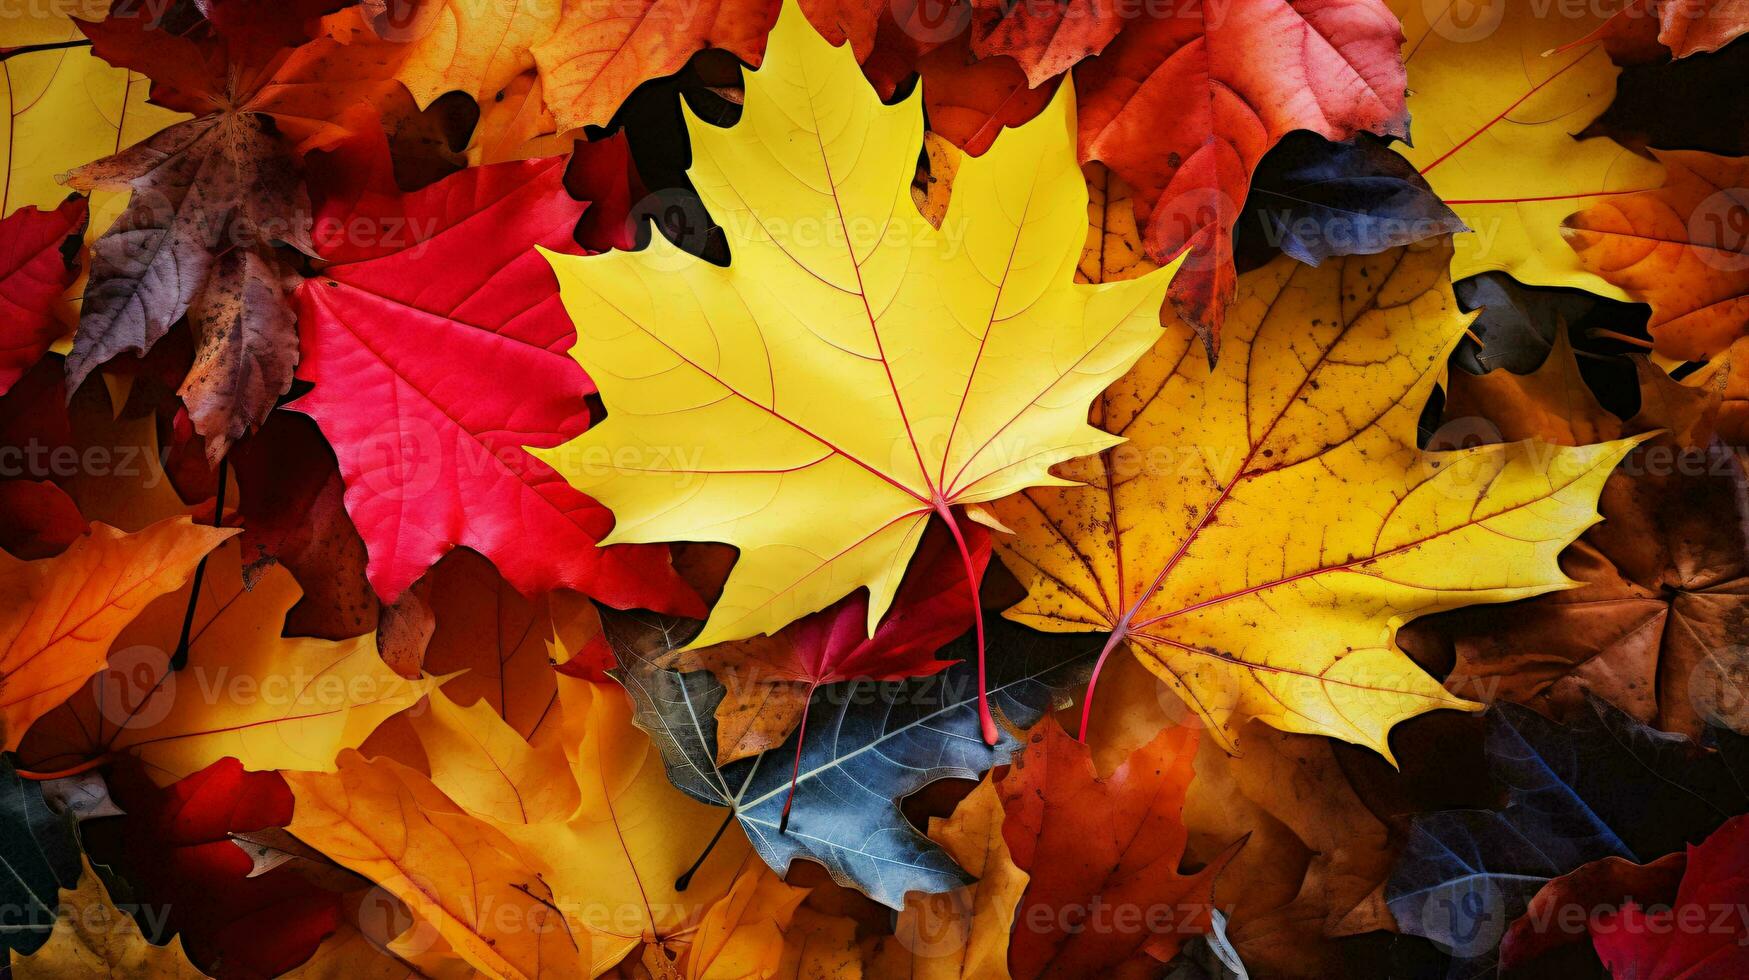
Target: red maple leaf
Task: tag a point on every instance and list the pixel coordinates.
(437, 346)
(1103, 855)
(35, 269)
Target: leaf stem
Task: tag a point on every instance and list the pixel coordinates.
(1617, 335)
(7, 53)
(179, 659)
(73, 770)
(796, 767)
(1111, 643)
(986, 723)
(681, 883)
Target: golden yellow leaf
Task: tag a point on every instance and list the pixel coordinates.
(1496, 101)
(854, 370)
(93, 938)
(817, 946)
(491, 771)
(66, 107)
(1270, 523)
(58, 615)
(457, 874)
(962, 933)
(609, 850)
(619, 857)
(742, 935)
(272, 702)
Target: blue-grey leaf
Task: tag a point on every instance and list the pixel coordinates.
(867, 745)
(40, 856)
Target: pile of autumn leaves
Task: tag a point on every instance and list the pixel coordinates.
(465, 516)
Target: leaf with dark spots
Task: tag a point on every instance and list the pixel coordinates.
(1047, 39)
(211, 197)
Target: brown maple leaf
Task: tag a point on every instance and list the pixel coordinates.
(1660, 614)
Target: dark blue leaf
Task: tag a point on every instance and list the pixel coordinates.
(1314, 199)
(1576, 793)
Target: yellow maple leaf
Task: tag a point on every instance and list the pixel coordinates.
(58, 615)
(1270, 522)
(1497, 99)
(271, 702)
(93, 938)
(623, 854)
(611, 857)
(854, 369)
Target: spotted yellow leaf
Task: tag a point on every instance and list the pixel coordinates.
(1270, 523)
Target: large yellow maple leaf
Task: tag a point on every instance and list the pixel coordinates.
(1498, 91)
(854, 369)
(1270, 522)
